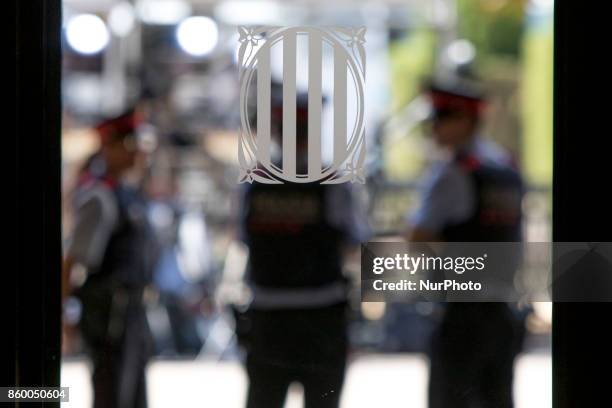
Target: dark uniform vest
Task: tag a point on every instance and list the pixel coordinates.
(291, 242)
(129, 253)
(112, 294)
(498, 191)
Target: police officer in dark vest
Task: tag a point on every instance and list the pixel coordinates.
(111, 241)
(472, 195)
(295, 327)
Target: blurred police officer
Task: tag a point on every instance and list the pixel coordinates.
(111, 240)
(297, 234)
(473, 350)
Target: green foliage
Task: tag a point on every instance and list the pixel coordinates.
(537, 103)
(494, 26)
(412, 58)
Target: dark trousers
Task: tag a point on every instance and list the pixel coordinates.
(472, 357)
(268, 385)
(185, 337)
(118, 382)
(119, 361)
(308, 346)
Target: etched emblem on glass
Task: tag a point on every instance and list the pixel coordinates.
(256, 154)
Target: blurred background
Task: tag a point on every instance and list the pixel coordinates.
(177, 61)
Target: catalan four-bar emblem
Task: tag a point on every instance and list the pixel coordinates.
(255, 151)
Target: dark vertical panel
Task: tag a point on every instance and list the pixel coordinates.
(582, 341)
(7, 369)
(36, 241)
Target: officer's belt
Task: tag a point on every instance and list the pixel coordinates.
(295, 298)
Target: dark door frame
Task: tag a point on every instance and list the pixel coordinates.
(33, 290)
(581, 341)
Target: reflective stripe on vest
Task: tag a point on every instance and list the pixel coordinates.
(290, 298)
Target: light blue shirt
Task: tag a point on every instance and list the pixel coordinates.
(447, 192)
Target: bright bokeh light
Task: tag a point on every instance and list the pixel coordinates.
(121, 19)
(163, 12)
(197, 36)
(545, 4)
(87, 34)
(461, 52)
(248, 12)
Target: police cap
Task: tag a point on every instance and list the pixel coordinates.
(119, 127)
(457, 96)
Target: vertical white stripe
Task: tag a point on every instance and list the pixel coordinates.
(289, 99)
(340, 69)
(263, 106)
(314, 103)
